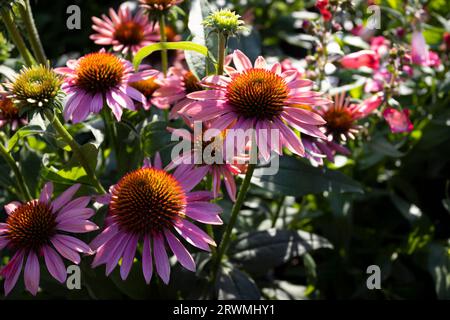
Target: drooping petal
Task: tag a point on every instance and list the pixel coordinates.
(147, 263)
(161, 259)
(32, 273)
(128, 257)
(183, 256)
(55, 264)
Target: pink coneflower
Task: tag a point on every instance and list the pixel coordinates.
(398, 120)
(159, 5)
(38, 227)
(261, 98)
(125, 32)
(318, 149)
(9, 113)
(98, 77)
(220, 170)
(150, 205)
(341, 117)
(174, 89)
(148, 87)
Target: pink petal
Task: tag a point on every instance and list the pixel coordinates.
(241, 61)
(183, 256)
(11, 271)
(10, 207)
(161, 259)
(77, 226)
(194, 235)
(128, 257)
(65, 251)
(46, 193)
(32, 273)
(65, 197)
(147, 263)
(54, 264)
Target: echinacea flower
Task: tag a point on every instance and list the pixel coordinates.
(39, 228)
(174, 90)
(97, 78)
(341, 117)
(363, 58)
(9, 113)
(218, 169)
(151, 206)
(35, 88)
(127, 33)
(261, 98)
(148, 87)
(398, 121)
(224, 21)
(159, 5)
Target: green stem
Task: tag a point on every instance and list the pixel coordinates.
(162, 32)
(221, 52)
(25, 192)
(16, 37)
(278, 210)
(35, 41)
(111, 130)
(225, 242)
(67, 137)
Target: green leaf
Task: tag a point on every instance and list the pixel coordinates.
(236, 285)
(73, 171)
(438, 264)
(155, 137)
(22, 133)
(298, 178)
(382, 146)
(261, 251)
(181, 45)
(197, 62)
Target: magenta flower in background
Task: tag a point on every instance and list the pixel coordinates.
(224, 170)
(341, 117)
(9, 113)
(262, 98)
(363, 58)
(380, 45)
(419, 49)
(433, 59)
(99, 78)
(123, 31)
(174, 89)
(151, 206)
(38, 228)
(398, 121)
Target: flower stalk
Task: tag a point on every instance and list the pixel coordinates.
(67, 137)
(16, 37)
(35, 41)
(221, 48)
(22, 186)
(164, 56)
(225, 242)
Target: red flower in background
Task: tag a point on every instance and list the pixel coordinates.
(322, 5)
(397, 120)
